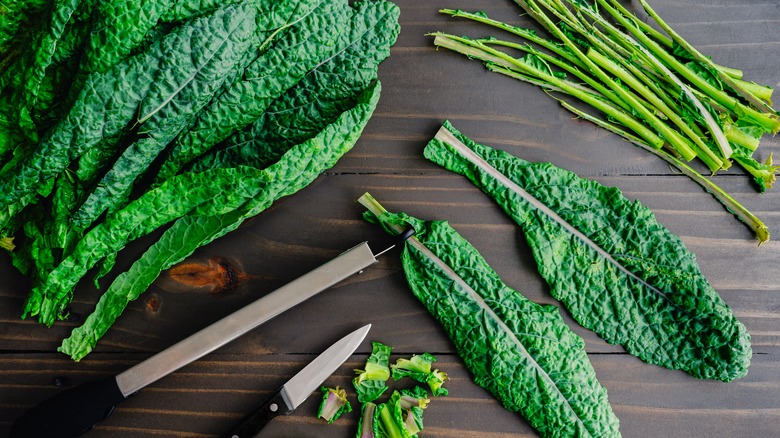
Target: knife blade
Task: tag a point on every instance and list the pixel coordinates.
(77, 410)
(300, 387)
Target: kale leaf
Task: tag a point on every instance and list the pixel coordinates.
(607, 259)
(520, 351)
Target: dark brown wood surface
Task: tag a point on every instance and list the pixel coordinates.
(421, 88)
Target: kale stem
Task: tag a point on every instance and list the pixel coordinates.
(770, 123)
(389, 425)
(666, 41)
(755, 101)
(527, 34)
(598, 86)
(477, 50)
(732, 205)
(668, 76)
(670, 135)
(736, 136)
(704, 152)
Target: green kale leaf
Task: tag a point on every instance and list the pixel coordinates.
(520, 351)
(200, 224)
(607, 259)
(370, 382)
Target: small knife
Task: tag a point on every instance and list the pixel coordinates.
(77, 410)
(300, 387)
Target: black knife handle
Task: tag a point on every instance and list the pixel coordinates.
(70, 413)
(254, 422)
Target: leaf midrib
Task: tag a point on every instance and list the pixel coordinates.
(447, 137)
(450, 273)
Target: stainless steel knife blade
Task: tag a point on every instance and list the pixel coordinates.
(72, 412)
(311, 377)
(245, 319)
(300, 386)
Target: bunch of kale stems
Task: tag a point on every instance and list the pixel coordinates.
(653, 88)
(187, 116)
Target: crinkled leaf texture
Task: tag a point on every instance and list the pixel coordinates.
(616, 269)
(520, 351)
(215, 215)
(183, 87)
(309, 41)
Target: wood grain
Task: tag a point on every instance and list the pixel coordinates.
(421, 88)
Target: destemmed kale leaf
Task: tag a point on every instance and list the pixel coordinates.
(520, 351)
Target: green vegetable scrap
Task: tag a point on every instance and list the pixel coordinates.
(520, 351)
(616, 269)
(656, 91)
(401, 416)
(408, 407)
(368, 424)
(113, 125)
(334, 403)
(418, 367)
(370, 382)
(7, 243)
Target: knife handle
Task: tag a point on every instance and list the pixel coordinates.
(70, 413)
(252, 424)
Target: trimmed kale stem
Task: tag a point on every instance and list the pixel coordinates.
(755, 101)
(598, 86)
(527, 34)
(682, 143)
(704, 153)
(770, 123)
(480, 51)
(732, 205)
(667, 42)
(670, 135)
(636, 51)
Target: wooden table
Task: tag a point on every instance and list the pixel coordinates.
(421, 88)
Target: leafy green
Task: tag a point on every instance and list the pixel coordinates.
(185, 84)
(297, 168)
(120, 26)
(334, 403)
(310, 40)
(419, 368)
(39, 57)
(324, 92)
(107, 104)
(14, 15)
(370, 382)
(520, 351)
(616, 269)
(95, 96)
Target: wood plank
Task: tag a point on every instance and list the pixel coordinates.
(421, 88)
(208, 396)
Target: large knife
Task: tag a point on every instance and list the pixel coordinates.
(298, 389)
(77, 410)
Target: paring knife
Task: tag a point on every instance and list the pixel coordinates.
(300, 387)
(77, 410)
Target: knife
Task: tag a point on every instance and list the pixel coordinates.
(300, 387)
(77, 410)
